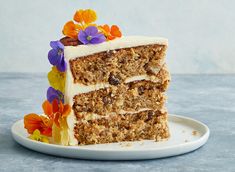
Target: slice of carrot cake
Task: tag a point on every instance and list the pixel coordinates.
(105, 87)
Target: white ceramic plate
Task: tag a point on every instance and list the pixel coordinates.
(186, 135)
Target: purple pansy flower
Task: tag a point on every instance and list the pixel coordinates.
(91, 35)
(54, 94)
(56, 55)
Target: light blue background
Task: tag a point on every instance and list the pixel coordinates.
(201, 33)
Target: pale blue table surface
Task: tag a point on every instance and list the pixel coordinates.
(208, 98)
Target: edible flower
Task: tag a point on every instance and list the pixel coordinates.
(56, 55)
(71, 29)
(111, 33)
(54, 113)
(38, 137)
(86, 31)
(56, 110)
(53, 94)
(57, 79)
(91, 35)
(43, 124)
(85, 16)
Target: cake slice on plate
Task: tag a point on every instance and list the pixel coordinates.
(106, 88)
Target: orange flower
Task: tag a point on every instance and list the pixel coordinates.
(86, 16)
(56, 110)
(111, 33)
(71, 29)
(78, 16)
(33, 121)
(47, 108)
(54, 113)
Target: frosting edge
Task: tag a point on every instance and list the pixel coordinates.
(72, 52)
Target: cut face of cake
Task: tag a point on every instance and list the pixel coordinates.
(116, 90)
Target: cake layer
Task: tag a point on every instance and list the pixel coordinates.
(148, 125)
(125, 97)
(115, 66)
(161, 79)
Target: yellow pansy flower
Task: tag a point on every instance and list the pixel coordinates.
(56, 79)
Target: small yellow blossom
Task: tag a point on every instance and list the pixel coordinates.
(56, 79)
(38, 137)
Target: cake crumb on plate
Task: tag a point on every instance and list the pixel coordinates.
(194, 133)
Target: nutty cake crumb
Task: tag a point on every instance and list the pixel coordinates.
(126, 144)
(123, 127)
(124, 97)
(194, 133)
(96, 68)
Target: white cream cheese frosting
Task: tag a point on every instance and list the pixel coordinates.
(71, 89)
(71, 52)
